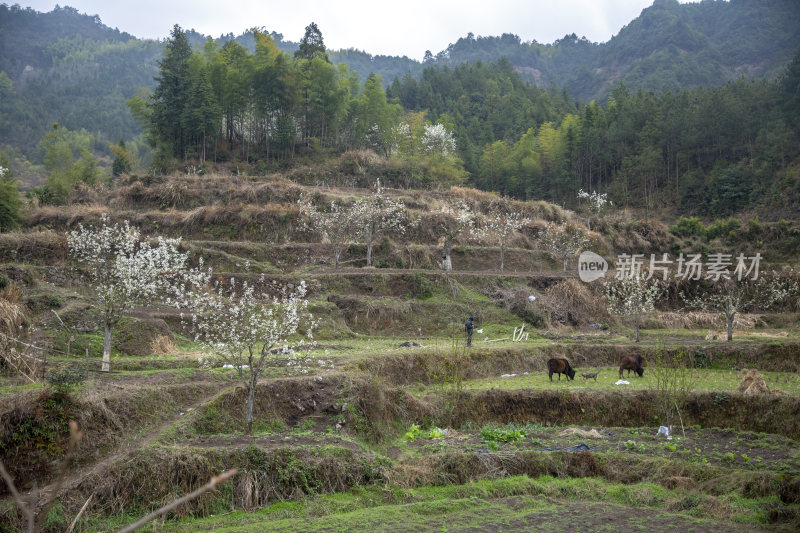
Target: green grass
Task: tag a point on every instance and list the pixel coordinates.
(10, 390)
(515, 502)
(708, 380)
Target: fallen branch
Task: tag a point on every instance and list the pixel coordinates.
(78, 516)
(213, 482)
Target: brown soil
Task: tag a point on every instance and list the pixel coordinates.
(272, 441)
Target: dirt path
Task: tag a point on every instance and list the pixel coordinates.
(74, 478)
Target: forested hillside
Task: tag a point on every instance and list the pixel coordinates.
(69, 68)
(695, 144)
(670, 46)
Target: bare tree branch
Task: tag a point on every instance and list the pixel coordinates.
(213, 482)
(75, 435)
(26, 509)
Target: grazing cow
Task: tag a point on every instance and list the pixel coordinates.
(631, 362)
(558, 365)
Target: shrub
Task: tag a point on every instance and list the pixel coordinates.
(65, 380)
(420, 287)
(688, 227)
(722, 228)
(44, 302)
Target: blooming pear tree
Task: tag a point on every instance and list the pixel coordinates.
(632, 299)
(595, 202)
(376, 215)
(125, 269)
(454, 221)
(437, 140)
(501, 224)
(246, 326)
(730, 297)
(337, 225)
(563, 241)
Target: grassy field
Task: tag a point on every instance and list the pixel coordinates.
(703, 380)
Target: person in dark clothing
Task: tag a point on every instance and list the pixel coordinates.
(469, 326)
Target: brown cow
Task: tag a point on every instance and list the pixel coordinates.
(559, 365)
(631, 362)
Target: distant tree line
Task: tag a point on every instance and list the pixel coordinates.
(223, 101)
(712, 151)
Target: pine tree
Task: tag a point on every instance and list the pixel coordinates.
(171, 94)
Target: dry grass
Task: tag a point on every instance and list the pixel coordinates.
(752, 383)
(163, 345)
(11, 317)
(14, 359)
(693, 320)
(589, 434)
(572, 303)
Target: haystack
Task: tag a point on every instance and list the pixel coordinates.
(592, 433)
(752, 383)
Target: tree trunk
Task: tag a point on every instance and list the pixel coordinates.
(106, 347)
(369, 252)
(251, 395)
(502, 257)
(565, 262)
(447, 264)
(337, 251)
(636, 329)
(730, 317)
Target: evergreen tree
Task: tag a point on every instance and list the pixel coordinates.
(171, 94)
(200, 119)
(312, 45)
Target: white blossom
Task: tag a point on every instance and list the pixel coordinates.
(337, 225)
(731, 296)
(126, 270)
(246, 327)
(456, 220)
(596, 202)
(501, 224)
(563, 241)
(436, 139)
(375, 215)
(632, 299)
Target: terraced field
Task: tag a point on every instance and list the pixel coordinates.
(357, 432)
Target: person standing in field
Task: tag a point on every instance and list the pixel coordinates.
(469, 327)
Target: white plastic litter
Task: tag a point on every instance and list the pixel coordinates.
(663, 430)
(508, 375)
(480, 330)
(231, 366)
(622, 382)
(532, 298)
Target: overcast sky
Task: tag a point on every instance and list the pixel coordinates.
(398, 28)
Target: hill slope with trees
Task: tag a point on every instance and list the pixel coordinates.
(67, 67)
